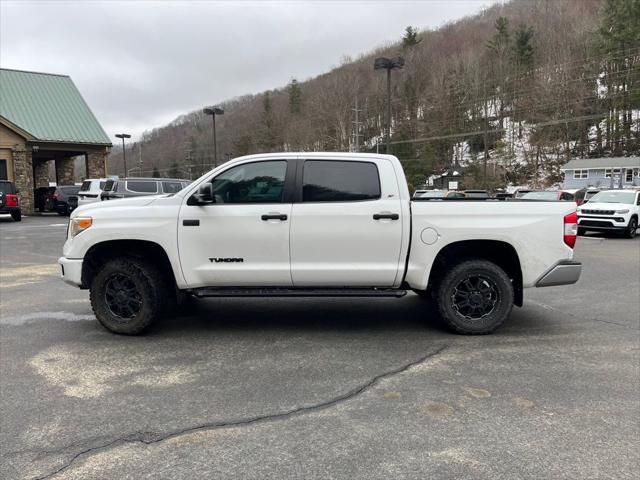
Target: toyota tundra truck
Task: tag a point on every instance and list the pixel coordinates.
(315, 225)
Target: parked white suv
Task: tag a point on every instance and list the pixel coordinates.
(611, 210)
(90, 190)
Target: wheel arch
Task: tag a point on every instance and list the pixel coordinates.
(145, 250)
(499, 252)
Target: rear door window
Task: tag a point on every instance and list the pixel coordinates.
(6, 188)
(171, 187)
(86, 186)
(138, 186)
(339, 181)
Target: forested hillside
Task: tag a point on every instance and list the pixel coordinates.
(509, 94)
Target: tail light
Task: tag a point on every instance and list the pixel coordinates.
(11, 200)
(570, 229)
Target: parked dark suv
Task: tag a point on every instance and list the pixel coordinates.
(137, 187)
(62, 199)
(9, 201)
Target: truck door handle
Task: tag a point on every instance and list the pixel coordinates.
(191, 223)
(275, 216)
(386, 216)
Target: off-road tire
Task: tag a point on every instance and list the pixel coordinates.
(630, 232)
(17, 216)
(502, 306)
(150, 285)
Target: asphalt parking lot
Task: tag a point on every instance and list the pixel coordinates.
(318, 388)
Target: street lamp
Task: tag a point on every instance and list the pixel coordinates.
(388, 64)
(213, 111)
(124, 152)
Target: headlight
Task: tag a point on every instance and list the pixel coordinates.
(79, 224)
(626, 210)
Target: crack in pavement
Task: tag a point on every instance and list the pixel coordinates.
(150, 438)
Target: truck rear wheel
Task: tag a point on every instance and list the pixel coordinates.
(128, 295)
(475, 297)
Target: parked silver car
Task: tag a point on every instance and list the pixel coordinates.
(138, 186)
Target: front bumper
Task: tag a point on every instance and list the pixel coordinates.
(71, 270)
(601, 223)
(564, 272)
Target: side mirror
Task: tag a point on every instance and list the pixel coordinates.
(204, 195)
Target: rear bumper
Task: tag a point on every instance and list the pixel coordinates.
(71, 270)
(7, 210)
(564, 272)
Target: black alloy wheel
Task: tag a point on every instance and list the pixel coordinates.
(122, 296)
(475, 297)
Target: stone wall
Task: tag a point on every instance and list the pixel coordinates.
(96, 164)
(41, 173)
(23, 176)
(65, 171)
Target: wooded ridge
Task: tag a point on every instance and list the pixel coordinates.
(509, 94)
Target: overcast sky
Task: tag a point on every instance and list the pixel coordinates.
(141, 64)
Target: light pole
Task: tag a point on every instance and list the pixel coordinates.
(124, 152)
(388, 64)
(213, 111)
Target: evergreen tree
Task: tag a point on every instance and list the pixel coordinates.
(295, 96)
(268, 136)
(619, 37)
(410, 37)
(174, 171)
(500, 41)
(523, 46)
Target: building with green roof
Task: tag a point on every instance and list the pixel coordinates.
(43, 118)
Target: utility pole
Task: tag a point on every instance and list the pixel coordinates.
(140, 157)
(124, 150)
(486, 135)
(213, 111)
(357, 126)
(388, 64)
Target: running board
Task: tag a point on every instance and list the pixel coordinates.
(298, 292)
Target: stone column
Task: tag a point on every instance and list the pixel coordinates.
(96, 163)
(23, 176)
(41, 173)
(65, 171)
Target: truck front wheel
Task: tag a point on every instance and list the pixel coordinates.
(127, 295)
(475, 297)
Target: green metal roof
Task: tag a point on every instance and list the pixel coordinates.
(49, 107)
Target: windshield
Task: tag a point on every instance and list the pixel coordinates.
(540, 196)
(472, 194)
(613, 197)
(433, 194)
(589, 195)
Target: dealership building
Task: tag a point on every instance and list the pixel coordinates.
(44, 119)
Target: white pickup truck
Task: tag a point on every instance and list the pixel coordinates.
(315, 224)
